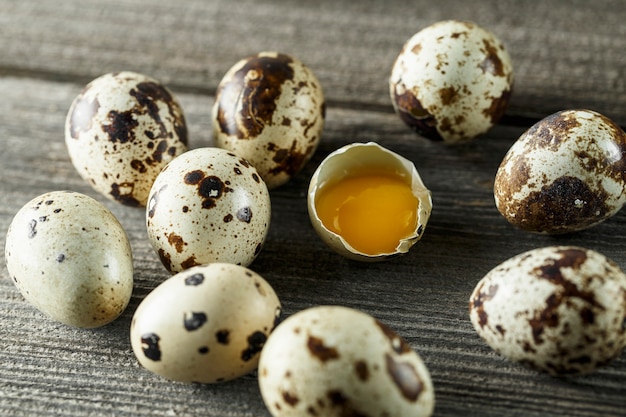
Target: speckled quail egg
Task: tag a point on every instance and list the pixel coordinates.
(452, 81)
(559, 309)
(368, 203)
(206, 324)
(337, 361)
(564, 174)
(270, 109)
(208, 205)
(120, 131)
(70, 258)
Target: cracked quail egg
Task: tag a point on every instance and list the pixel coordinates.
(208, 205)
(120, 131)
(269, 108)
(71, 259)
(206, 324)
(452, 81)
(559, 309)
(338, 361)
(564, 174)
(368, 203)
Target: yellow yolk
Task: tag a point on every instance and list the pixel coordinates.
(372, 212)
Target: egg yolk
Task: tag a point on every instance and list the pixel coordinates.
(372, 212)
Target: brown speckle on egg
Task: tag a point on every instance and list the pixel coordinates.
(150, 346)
(361, 369)
(290, 399)
(194, 320)
(255, 343)
(222, 336)
(320, 351)
(195, 279)
(176, 241)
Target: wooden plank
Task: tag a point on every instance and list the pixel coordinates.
(565, 55)
(47, 368)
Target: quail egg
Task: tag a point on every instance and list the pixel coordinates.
(368, 203)
(70, 258)
(120, 131)
(206, 324)
(337, 361)
(208, 205)
(564, 174)
(559, 309)
(270, 109)
(452, 81)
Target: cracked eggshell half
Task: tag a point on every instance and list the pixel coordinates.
(120, 131)
(559, 309)
(564, 174)
(71, 259)
(452, 81)
(206, 324)
(270, 109)
(337, 361)
(362, 158)
(208, 205)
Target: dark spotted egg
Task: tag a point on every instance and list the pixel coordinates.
(452, 81)
(559, 309)
(335, 361)
(208, 205)
(564, 174)
(206, 324)
(270, 109)
(120, 131)
(70, 258)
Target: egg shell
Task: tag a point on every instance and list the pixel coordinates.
(270, 109)
(559, 309)
(564, 174)
(208, 205)
(70, 258)
(352, 159)
(206, 324)
(120, 131)
(452, 81)
(337, 361)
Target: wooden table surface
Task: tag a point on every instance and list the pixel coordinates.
(566, 54)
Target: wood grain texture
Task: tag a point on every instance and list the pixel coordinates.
(566, 54)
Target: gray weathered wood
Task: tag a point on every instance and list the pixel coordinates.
(567, 54)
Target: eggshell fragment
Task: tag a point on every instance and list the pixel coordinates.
(270, 109)
(564, 174)
(559, 309)
(337, 361)
(208, 205)
(354, 159)
(452, 81)
(206, 324)
(120, 131)
(70, 258)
